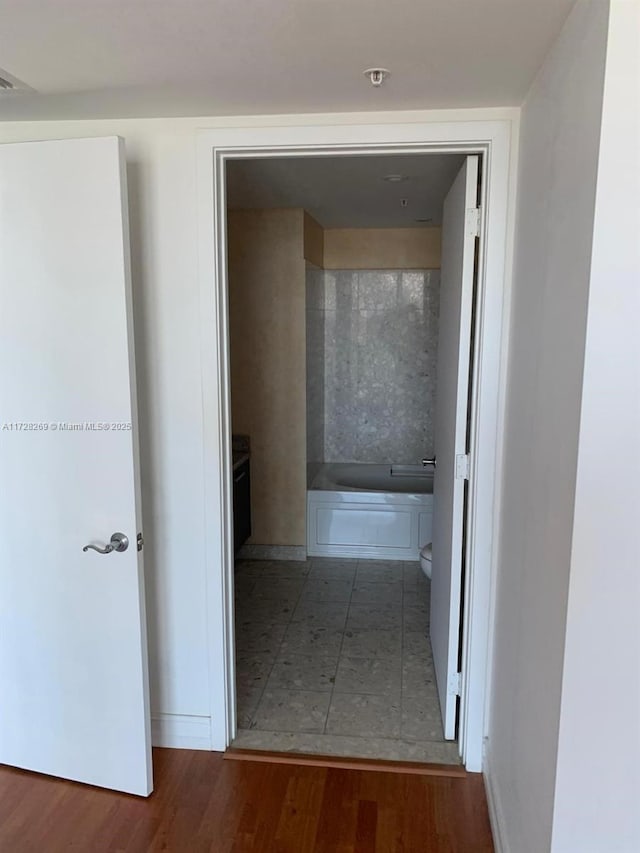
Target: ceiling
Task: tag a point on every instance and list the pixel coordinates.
(104, 58)
(348, 191)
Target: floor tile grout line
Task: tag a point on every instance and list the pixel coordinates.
(402, 659)
(235, 652)
(277, 653)
(344, 628)
(323, 601)
(275, 658)
(383, 693)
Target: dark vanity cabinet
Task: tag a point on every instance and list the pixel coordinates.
(241, 504)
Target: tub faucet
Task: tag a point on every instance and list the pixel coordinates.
(429, 461)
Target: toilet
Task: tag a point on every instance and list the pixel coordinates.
(425, 559)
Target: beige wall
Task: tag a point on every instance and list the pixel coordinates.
(381, 248)
(268, 370)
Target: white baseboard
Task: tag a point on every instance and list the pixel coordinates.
(496, 816)
(179, 731)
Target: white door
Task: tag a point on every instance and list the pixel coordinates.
(459, 230)
(73, 657)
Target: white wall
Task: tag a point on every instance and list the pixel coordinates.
(161, 166)
(597, 795)
(161, 177)
(560, 125)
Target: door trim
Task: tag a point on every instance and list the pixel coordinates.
(472, 131)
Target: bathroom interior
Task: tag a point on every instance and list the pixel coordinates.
(334, 291)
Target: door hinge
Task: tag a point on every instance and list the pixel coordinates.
(473, 221)
(463, 466)
(455, 684)
(140, 541)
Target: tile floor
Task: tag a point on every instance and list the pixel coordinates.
(333, 657)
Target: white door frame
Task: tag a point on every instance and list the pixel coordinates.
(493, 139)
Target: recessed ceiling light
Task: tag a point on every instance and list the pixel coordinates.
(377, 75)
(395, 179)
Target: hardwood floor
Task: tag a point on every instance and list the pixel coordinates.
(203, 803)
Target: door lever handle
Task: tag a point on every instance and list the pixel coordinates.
(106, 550)
(119, 542)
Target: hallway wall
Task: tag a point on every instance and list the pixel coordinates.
(560, 133)
(597, 786)
(164, 188)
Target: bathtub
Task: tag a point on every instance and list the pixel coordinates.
(364, 511)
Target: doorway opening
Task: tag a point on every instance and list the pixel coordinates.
(492, 139)
(334, 286)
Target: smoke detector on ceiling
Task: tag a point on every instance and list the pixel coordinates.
(377, 76)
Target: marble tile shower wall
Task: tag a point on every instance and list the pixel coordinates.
(380, 344)
(315, 329)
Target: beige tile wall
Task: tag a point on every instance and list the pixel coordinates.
(268, 370)
(382, 248)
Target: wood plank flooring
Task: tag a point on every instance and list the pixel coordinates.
(203, 803)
